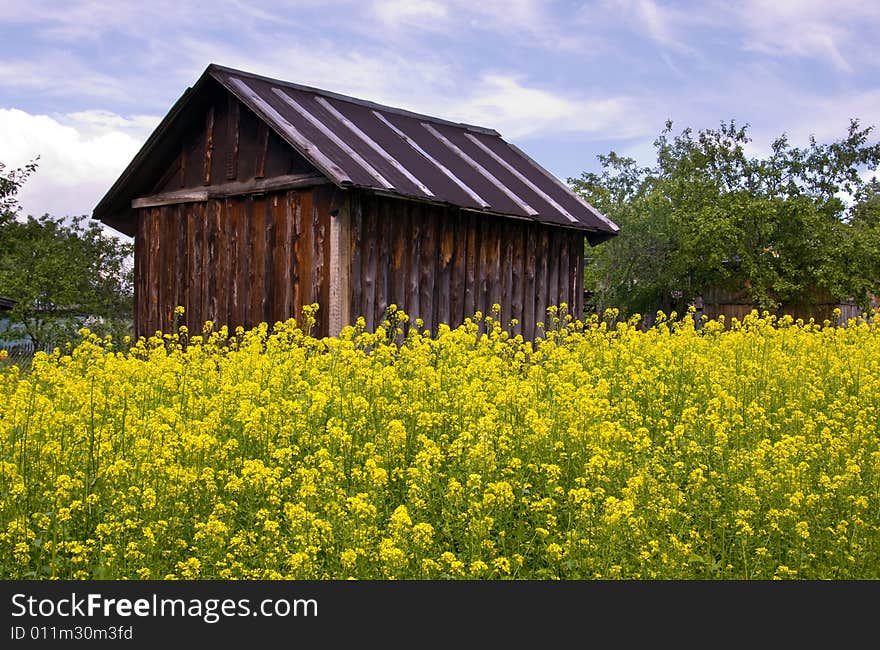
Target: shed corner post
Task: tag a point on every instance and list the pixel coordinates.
(340, 267)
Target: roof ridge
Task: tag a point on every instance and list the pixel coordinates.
(354, 100)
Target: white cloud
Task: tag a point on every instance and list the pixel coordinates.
(671, 27)
(379, 75)
(419, 13)
(56, 74)
(518, 111)
(659, 24)
(79, 157)
(815, 29)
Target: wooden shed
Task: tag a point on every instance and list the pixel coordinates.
(254, 197)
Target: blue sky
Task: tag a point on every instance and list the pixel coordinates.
(84, 82)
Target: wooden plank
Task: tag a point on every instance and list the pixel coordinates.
(471, 289)
(196, 268)
(555, 242)
(157, 243)
(146, 272)
(280, 258)
(169, 264)
(183, 261)
(291, 274)
(306, 244)
(177, 214)
(519, 237)
(255, 212)
(232, 297)
(356, 257)
(162, 257)
(195, 158)
(171, 198)
(153, 278)
(529, 316)
(287, 181)
(371, 254)
(343, 265)
(269, 279)
(182, 155)
(181, 255)
(413, 297)
(170, 177)
(428, 268)
(262, 149)
(484, 266)
(443, 303)
(340, 269)
(384, 210)
(322, 228)
(565, 274)
(400, 241)
(508, 233)
(204, 275)
(242, 249)
(542, 275)
(202, 272)
(205, 272)
(494, 263)
(578, 254)
(137, 274)
(294, 215)
(220, 288)
(160, 275)
(209, 146)
(282, 160)
(233, 121)
(405, 225)
(459, 262)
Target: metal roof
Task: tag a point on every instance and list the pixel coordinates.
(357, 143)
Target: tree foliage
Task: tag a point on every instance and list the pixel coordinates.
(62, 273)
(791, 227)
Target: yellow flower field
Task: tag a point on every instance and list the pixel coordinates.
(746, 451)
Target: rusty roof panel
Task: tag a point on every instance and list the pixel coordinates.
(381, 130)
(357, 143)
(518, 183)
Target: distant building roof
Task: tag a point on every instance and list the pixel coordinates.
(6, 303)
(357, 143)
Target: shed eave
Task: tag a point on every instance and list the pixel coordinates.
(109, 210)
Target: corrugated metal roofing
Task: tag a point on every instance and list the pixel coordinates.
(357, 143)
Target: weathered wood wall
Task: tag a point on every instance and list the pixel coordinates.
(735, 304)
(228, 143)
(234, 261)
(444, 264)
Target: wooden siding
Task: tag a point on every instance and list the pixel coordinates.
(234, 261)
(735, 304)
(443, 264)
(228, 143)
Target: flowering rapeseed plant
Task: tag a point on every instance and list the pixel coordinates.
(689, 450)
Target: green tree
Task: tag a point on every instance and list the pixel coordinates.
(62, 273)
(790, 227)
